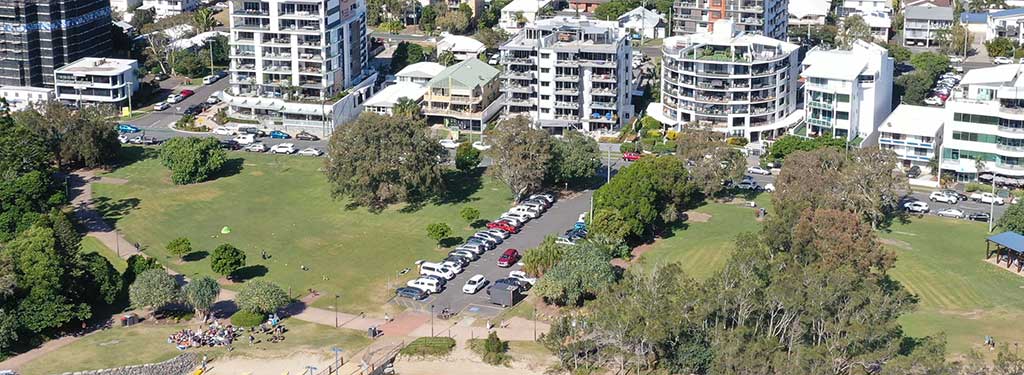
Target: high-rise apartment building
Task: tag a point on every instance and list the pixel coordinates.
(167, 8)
(38, 36)
(765, 17)
(291, 61)
(741, 84)
(569, 72)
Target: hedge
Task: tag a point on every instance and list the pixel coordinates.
(429, 346)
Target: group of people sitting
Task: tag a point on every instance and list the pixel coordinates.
(215, 335)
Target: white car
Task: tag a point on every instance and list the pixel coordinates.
(935, 100)
(245, 139)
(454, 266)
(311, 151)
(759, 170)
(499, 233)
(521, 276)
(480, 145)
(212, 100)
(449, 144)
(916, 207)
(952, 212)
(465, 254)
(255, 147)
(956, 59)
(209, 80)
(223, 130)
(747, 185)
(161, 106)
(425, 284)
(987, 198)
(174, 98)
(938, 196)
(769, 187)
(1002, 60)
(283, 148)
(564, 241)
(474, 284)
(123, 138)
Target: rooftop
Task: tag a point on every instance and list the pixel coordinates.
(639, 16)
(999, 75)
(459, 43)
(975, 18)
(425, 69)
(914, 120)
(466, 75)
(570, 32)
(526, 6)
(876, 19)
(96, 65)
(390, 95)
(758, 47)
(929, 13)
(845, 65)
(804, 8)
(1016, 12)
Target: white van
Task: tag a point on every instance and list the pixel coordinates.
(245, 139)
(425, 284)
(455, 267)
(530, 213)
(434, 269)
(209, 80)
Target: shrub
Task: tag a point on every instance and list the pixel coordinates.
(654, 133)
(438, 231)
(467, 158)
(627, 147)
(179, 247)
(246, 319)
(737, 141)
(975, 186)
(226, 259)
(492, 350)
(260, 296)
(672, 135)
(469, 214)
(649, 123)
(429, 346)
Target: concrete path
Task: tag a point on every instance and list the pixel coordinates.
(80, 189)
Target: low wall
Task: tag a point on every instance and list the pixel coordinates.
(179, 365)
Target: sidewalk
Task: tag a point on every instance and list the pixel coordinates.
(80, 189)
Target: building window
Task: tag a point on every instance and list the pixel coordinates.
(545, 70)
(977, 119)
(843, 98)
(843, 115)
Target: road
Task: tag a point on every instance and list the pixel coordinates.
(157, 123)
(400, 37)
(559, 218)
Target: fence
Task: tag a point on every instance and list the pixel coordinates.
(179, 365)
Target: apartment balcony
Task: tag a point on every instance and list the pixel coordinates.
(257, 27)
(714, 73)
(566, 78)
(311, 70)
(248, 67)
(751, 21)
(820, 105)
(452, 99)
(517, 61)
(299, 15)
(239, 53)
(567, 91)
(564, 104)
(277, 56)
(603, 78)
(519, 102)
(604, 105)
(311, 43)
(1009, 129)
(605, 118)
(278, 69)
(1004, 147)
(252, 12)
(819, 122)
(567, 63)
(278, 41)
(611, 92)
(511, 74)
(310, 57)
(245, 41)
(686, 4)
(760, 99)
(600, 63)
(527, 89)
(712, 99)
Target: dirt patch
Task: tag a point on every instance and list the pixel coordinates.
(110, 181)
(463, 361)
(972, 314)
(697, 216)
(256, 173)
(235, 365)
(896, 243)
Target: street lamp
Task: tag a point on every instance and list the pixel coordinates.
(431, 320)
(336, 310)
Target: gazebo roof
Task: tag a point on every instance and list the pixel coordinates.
(1010, 240)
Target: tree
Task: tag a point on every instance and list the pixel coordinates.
(153, 289)
(898, 52)
(521, 155)
(642, 198)
(376, 161)
(873, 191)
(142, 17)
(575, 159)
(188, 63)
(542, 258)
(226, 259)
(201, 293)
(8, 330)
(203, 20)
(914, 87)
(786, 145)
(393, 26)
(469, 214)
(179, 247)
(1013, 219)
(25, 186)
(712, 159)
(137, 264)
(467, 158)
(854, 28)
(103, 282)
(579, 275)
(490, 17)
(428, 18)
(932, 63)
(611, 10)
(408, 108)
(954, 41)
(192, 160)
(453, 22)
(446, 58)
(261, 297)
(77, 137)
(438, 231)
(1000, 46)
(492, 38)
(494, 349)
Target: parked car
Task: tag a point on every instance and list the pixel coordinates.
(412, 293)
(504, 226)
(522, 285)
(914, 172)
(1002, 60)
(747, 185)
(221, 74)
(425, 284)
(631, 156)
(187, 93)
(938, 196)
(304, 136)
(193, 110)
(174, 98)
(469, 255)
(955, 59)
(486, 239)
(474, 284)
(492, 236)
(564, 241)
(283, 148)
(123, 138)
(255, 147)
(127, 128)
(521, 276)
(953, 193)
(213, 99)
(951, 212)
(758, 170)
(916, 207)
(508, 258)
(143, 140)
(934, 100)
(498, 232)
(161, 106)
(245, 139)
(311, 151)
(480, 242)
(517, 220)
(223, 130)
(209, 80)
(160, 77)
(230, 144)
(481, 146)
(979, 216)
(769, 187)
(453, 263)
(449, 144)
(547, 197)
(987, 198)
(277, 134)
(475, 249)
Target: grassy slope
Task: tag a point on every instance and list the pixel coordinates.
(282, 204)
(92, 245)
(147, 343)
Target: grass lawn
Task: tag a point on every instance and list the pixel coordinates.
(147, 343)
(941, 261)
(282, 204)
(92, 245)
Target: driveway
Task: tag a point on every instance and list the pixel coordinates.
(559, 218)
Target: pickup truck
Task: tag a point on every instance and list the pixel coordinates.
(986, 198)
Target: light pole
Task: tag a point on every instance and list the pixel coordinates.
(336, 310)
(337, 357)
(311, 369)
(992, 205)
(431, 320)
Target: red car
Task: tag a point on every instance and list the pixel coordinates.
(630, 156)
(503, 225)
(187, 93)
(508, 258)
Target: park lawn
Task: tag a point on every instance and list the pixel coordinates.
(941, 261)
(147, 343)
(702, 248)
(93, 245)
(282, 204)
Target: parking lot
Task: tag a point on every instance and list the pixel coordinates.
(559, 218)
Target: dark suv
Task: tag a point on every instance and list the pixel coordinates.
(410, 292)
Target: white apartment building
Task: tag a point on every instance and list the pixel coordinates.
(985, 125)
(914, 134)
(97, 80)
(764, 17)
(298, 64)
(1005, 23)
(741, 84)
(847, 93)
(20, 98)
(518, 13)
(569, 72)
(462, 47)
(167, 8)
(123, 6)
(922, 24)
(866, 6)
(419, 73)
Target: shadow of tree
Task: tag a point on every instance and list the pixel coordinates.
(223, 309)
(230, 168)
(129, 155)
(113, 210)
(249, 272)
(195, 256)
(450, 241)
(479, 223)
(460, 187)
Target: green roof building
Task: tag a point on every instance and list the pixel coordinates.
(465, 95)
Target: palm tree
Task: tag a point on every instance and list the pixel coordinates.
(203, 19)
(406, 107)
(447, 58)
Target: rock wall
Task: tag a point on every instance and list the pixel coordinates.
(180, 365)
